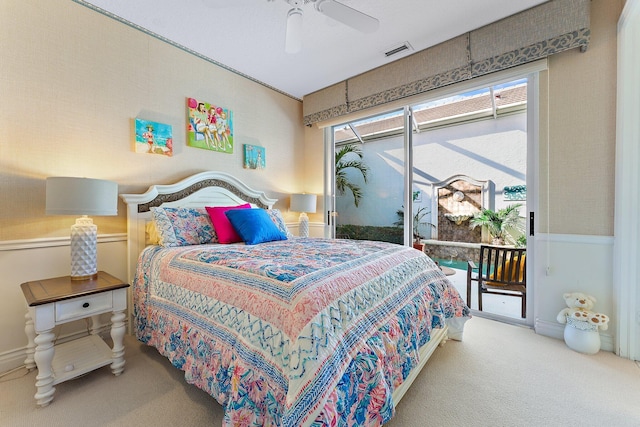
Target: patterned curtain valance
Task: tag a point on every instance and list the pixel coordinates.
(528, 36)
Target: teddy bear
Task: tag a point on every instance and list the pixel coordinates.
(582, 324)
(597, 319)
(579, 307)
(575, 301)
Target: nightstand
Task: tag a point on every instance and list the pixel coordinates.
(60, 300)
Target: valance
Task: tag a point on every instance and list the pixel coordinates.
(533, 34)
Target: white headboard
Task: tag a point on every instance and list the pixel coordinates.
(199, 190)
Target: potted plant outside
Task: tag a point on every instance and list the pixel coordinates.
(499, 223)
(418, 217)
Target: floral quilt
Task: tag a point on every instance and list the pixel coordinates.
(301, 332)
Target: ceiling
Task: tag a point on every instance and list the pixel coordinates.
(248, 36)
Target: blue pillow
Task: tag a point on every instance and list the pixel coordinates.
(254, 226)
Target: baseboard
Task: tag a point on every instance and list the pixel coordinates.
(556, 330)
(12, 359)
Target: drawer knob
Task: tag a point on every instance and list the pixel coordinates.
(85, 305)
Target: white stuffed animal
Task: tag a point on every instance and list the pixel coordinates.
(582, 324)
(601, 321)
(576, 301)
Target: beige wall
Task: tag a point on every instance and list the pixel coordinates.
(582, 105)
(71, 83)
(577, 181)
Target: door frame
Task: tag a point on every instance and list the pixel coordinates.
(531, 72)
(626, 274)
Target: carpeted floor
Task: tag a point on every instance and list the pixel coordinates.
(500, 375)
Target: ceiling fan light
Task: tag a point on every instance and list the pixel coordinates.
(347, 15)
(293, 37)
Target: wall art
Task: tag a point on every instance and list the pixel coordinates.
(210, 126)
(254, 157)
(153, 138)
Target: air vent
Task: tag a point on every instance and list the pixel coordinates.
(399, 48)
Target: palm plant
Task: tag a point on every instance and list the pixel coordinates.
(417, 221)
(342, 181)
(417, 218)
(498, 223)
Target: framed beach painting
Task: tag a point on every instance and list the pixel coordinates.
(153, 138)
(254, 157)
(210, 126)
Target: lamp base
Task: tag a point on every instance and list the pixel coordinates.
(84, 239)
(303, 225)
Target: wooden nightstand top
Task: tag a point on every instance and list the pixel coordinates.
(46, 291)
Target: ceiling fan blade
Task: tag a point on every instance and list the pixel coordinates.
(347, 15)
(293, 37)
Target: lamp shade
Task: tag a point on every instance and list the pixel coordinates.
(303, 203)
(81, 196)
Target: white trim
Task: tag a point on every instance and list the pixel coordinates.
(533, 187)
(556, 330)
(575, 238)
(504, 319)
(626, 274)
(407, 228)
(52, 242)
(329, 183)
(12, 359)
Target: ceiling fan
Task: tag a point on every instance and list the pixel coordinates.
(340, 12)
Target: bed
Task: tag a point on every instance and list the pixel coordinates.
(281, 330)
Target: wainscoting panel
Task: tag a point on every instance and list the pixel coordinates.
(26, 260)
(573, 263)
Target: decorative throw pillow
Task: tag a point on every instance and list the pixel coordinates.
(224, 229)
(151, 233)
(277, 218)
(254, 226)
(183, 226)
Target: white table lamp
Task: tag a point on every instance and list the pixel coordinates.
(82, 196)
(303, 203)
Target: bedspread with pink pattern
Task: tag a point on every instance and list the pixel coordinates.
(296, 332)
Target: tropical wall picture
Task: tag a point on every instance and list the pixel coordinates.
(254, 157)
(153, 138)
(210, 126)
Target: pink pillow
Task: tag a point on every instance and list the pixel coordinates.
(224, 229)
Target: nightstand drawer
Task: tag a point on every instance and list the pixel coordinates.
(79, 308)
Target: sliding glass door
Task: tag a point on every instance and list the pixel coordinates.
(369, 159)
(417, 175)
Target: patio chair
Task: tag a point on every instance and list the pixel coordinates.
(500, 271)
